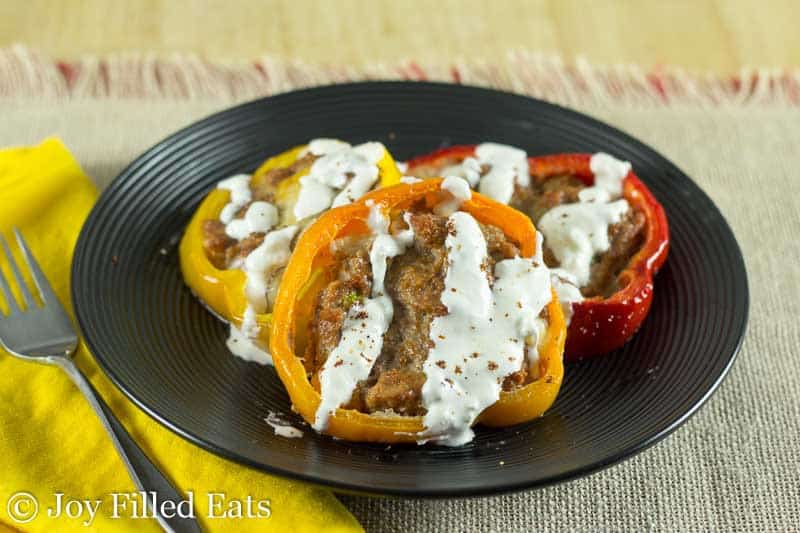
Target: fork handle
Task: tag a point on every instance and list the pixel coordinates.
(146, 476)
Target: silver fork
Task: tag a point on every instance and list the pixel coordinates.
(46, 335)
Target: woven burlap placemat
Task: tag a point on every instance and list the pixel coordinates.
(734, 465)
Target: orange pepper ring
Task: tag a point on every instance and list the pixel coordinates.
(513, 407)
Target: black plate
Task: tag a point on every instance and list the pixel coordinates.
(167, 353)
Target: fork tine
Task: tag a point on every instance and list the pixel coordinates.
(5, 289)
(23, 287)
(45, 290)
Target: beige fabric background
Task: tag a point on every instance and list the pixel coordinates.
(733, 466)
(717, 35)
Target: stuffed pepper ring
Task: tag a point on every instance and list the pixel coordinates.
(416, 312)
(605, 234)
(236, 245)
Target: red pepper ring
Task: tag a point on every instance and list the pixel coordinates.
(598, 325)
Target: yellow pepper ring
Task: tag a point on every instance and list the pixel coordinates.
(223, 291)
(307, 273)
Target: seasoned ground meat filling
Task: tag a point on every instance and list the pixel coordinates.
(223, 250)
(414, 281)
(626, 237)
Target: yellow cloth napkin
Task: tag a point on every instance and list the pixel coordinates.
(50, 440)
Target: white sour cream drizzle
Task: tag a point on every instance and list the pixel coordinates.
(260, 217)
(240, 341)
(576, 232)
(486, 335)
(508, 166)
(282, 428)
(342, 174)
(460, 192)
(239, 187)
(364, 326)
(273, 253)
(260, 265)
(566, 290)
